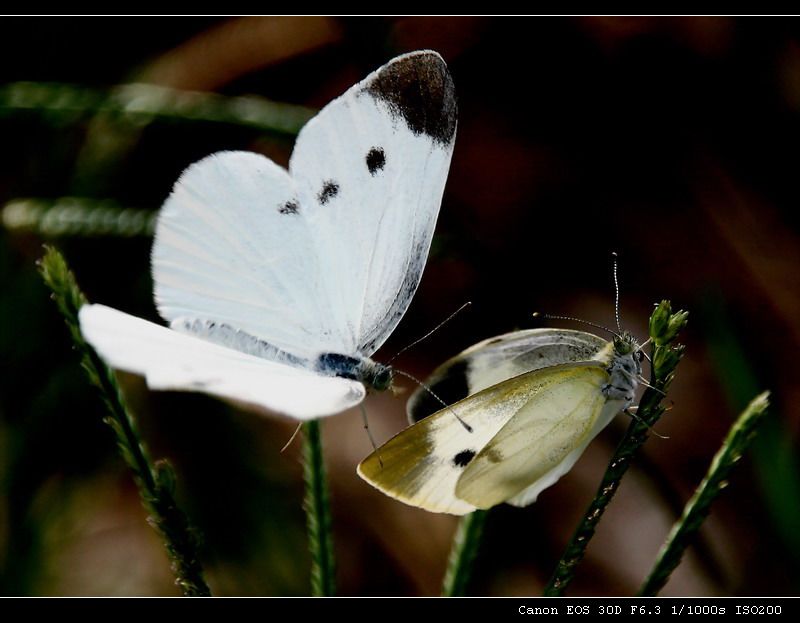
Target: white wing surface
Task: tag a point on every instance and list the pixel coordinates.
(327, 257)
(170, 360)
(500, 358)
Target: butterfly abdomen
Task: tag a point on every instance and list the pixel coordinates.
(623, 372)
(374, 375)
(336, 364)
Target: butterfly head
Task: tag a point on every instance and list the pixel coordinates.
(626, 344)
(376, 376)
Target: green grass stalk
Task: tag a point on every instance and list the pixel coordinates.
(139, 104)
(465, 546)
(318, 513)
(155, 481)
(697, 509)
(664, 328)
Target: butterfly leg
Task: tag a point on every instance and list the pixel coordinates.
(638, 419)
(291, 439)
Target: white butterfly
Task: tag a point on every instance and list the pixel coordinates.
(532, 401)
(278, 286)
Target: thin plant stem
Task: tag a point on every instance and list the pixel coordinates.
(697, 509)
(466, 542)
(155, 481)
(139, 104)
(774, 453)
(664, 328)
(318, 513)
(77, 216)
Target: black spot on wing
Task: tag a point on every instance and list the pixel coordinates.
(450, 387)
(290, 207)
(329, 190)
(376, 160)
(463, 458)
(418, 88)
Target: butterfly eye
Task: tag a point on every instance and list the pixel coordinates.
(383, 378)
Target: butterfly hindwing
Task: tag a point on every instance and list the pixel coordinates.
(171, 360)
(500, 358)
(231, 246)
(531, 493)
(564, 412)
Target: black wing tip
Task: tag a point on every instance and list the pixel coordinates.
(419, 88)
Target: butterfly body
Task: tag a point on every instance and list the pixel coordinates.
(373, 374)
(624, 370)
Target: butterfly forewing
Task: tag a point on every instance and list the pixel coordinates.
(371, 169)
(421, 465)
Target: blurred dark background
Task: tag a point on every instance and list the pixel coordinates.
(673, 141)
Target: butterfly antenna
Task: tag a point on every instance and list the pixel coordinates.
(573, 319)
(291, 439)
(616, 291)
(369, 433)
(650, 428)
(432, 331)
(466, 426)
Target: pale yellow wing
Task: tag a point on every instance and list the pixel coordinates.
(531, 493)
(556, 422)
(421, 465)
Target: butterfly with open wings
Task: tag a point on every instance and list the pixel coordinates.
(279, 285)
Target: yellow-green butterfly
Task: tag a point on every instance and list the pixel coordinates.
(530, 402)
